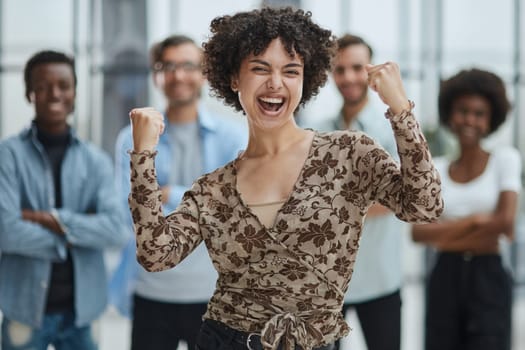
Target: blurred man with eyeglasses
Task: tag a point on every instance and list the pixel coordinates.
(167, 306)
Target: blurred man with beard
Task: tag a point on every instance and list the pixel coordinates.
(168, 306)
(374, 290)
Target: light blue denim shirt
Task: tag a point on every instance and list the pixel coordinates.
(90, 215)
(193, 281)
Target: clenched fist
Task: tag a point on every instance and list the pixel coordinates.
(146, 124)
(385, 79)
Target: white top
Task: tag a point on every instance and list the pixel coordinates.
(480, 195)
(377, 270)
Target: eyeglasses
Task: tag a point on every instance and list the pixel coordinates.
(171, 67)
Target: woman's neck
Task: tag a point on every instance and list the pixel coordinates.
(471, 155)
(271, 142)
(470, 164)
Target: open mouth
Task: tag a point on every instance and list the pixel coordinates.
(271, 104)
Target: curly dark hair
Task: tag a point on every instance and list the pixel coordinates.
(233, 38)
(479, 83)
(43, 57)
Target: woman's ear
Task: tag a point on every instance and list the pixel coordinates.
(234, 85)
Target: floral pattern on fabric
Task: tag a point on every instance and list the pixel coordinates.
(288, 281)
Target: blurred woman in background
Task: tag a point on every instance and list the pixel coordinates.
(469, 290)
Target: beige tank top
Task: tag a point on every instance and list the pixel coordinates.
(266, 212)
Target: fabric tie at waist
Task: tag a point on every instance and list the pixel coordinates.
(289, 330)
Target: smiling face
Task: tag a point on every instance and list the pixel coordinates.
(270, 86)
(350, 75)
(180, 74)
(470, 119)
(53, 94)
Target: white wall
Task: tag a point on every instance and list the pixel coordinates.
(27, 27)
(475, 32)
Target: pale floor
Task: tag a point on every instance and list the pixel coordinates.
(115, 330)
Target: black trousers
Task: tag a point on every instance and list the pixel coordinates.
(218, 336)
(160, 326)
(469, 302)
(380, 321)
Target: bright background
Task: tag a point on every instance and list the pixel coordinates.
(430, 39)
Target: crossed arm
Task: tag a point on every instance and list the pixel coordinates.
(478, 233)
(43, 218)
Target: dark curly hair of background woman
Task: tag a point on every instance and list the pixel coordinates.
(235, 37)
(474, 82)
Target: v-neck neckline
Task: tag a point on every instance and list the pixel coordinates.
(290, 195)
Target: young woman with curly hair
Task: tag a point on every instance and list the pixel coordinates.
(282, 221)
(469, 291)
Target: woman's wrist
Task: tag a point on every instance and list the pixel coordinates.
(144, 152)
(400, 110)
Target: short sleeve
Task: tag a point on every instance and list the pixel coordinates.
(442, 163)
(509, 169)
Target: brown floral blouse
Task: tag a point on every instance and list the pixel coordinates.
(287, 281)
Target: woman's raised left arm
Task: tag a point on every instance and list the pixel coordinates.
(413, 189)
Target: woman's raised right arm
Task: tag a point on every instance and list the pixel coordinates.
(162, 242)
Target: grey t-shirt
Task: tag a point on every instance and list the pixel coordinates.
(187, 156)
(186, 167)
